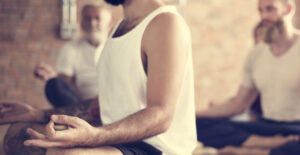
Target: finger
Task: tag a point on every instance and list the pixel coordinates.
(46, 67)
(34, 134)
(39, 73)
(40, 65)
(67, 120)
(43, 74)
(50, 132)
(44, 143)
(64, 135)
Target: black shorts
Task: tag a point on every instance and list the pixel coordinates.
(138, 148)
(290, 148)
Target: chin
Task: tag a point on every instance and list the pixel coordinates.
(93, 37)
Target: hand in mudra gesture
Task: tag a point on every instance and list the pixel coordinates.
(77, 133)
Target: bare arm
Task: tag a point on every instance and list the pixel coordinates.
(166, 45)
(45, 72)
(167, 56)
(241, 102)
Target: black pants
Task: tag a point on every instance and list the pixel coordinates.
(221, 132)
(291, 148)
(138, 148)
(60, 93)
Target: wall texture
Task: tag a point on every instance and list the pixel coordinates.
(29, 33)
(221, 32)
(222, 37)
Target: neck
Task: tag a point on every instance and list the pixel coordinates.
(94, 43)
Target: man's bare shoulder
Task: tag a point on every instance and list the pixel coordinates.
(166, 28)
(166, 22)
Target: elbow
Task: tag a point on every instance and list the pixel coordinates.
(165, 126)
(240, 110)
(165, 120)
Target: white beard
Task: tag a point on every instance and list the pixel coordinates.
(93, 37)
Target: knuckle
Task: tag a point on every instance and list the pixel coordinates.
(75, 119)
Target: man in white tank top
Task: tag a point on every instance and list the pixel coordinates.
(146, 90)
(272, 70)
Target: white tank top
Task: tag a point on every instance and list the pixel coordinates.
(122, 88)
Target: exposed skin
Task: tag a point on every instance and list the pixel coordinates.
(165, 70)
(270, 11)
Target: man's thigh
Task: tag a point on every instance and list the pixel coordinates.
(106, 150)
(134, 148)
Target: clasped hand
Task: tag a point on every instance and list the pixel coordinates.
(78, 133)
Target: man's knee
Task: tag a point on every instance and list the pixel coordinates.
(15, 137)
(55, 151)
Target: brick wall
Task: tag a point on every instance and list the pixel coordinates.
(222, 37)
(221, 32)
(29, 32)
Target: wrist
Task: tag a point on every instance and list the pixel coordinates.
(43, 116)
(98, 136)
(39, 116)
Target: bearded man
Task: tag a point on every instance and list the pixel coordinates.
(271, 70)
(76, 64)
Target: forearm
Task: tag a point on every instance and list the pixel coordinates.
(143, 124)
(241, 102)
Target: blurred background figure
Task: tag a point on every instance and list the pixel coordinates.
(76, 65)
(277, 44)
